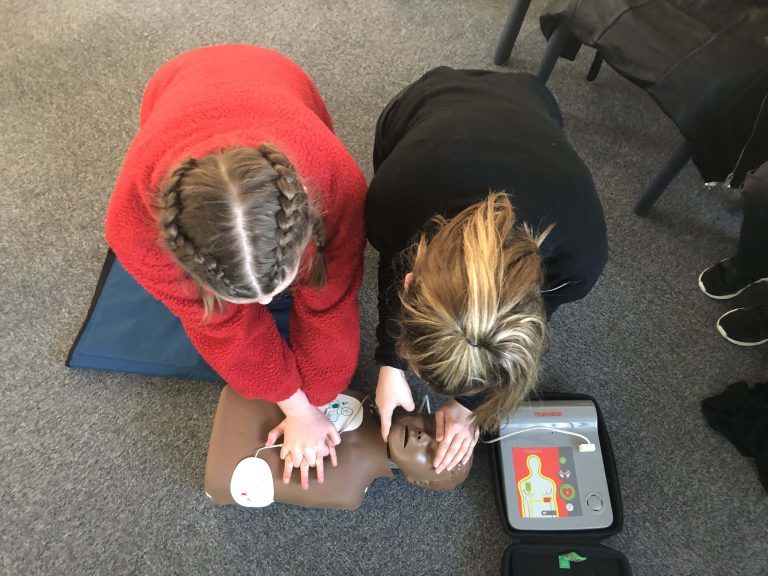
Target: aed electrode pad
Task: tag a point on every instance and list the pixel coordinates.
(549, 482)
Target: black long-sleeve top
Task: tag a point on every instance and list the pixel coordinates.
(447, 141)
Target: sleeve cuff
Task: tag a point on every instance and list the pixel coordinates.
(471, 402)
(384, 358)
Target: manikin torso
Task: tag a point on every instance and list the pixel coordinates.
(241, 426)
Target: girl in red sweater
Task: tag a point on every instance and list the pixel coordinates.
(234, 189)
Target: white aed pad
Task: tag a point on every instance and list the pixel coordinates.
(252, 485)
(548, 482)
(345, 412)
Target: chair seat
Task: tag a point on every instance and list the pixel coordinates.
(704, 62)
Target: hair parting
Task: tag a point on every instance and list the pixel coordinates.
(238, 221)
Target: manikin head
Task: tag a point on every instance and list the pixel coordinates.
(412, 446)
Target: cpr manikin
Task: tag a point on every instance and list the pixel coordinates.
(537, 492)
(240, 429)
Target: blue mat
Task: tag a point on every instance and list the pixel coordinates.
(127, 330)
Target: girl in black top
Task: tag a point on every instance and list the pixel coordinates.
(474, 173)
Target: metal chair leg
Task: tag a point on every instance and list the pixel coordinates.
(510, 31)
(594, 70)
(679, 158)
(554, 47)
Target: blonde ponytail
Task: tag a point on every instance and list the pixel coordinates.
(472, 317)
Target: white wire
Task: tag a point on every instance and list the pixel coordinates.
(265, 448)
(547, 428)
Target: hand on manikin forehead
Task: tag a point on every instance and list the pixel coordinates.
(412, 446)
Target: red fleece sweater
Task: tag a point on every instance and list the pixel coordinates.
(236, 95)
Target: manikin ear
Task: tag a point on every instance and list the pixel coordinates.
(407, 281)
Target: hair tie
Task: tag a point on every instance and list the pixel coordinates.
(320, 248)
(471, 343)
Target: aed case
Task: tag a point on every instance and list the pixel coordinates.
(536, 549)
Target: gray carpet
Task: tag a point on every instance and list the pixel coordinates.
(102, 473)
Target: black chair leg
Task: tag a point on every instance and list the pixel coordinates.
(679, 158)
(511, 30)
(554, 47)
(594, 70)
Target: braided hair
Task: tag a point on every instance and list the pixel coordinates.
(295, 210)
(238, 221)
(204, 268)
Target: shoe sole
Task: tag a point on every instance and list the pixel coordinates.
(727, 296)
(731, 340)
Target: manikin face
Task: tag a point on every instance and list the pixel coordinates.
(412, 446)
